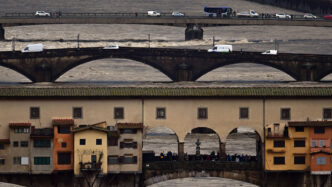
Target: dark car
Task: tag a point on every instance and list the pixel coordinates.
(329, 16)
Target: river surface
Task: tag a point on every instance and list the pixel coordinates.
(315, 40)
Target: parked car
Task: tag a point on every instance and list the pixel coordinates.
(283, 16)
(153, 13)
(113, 46)
(309, 16)
(42, 14)
(328, 16)
(177, 14)
(270, 52)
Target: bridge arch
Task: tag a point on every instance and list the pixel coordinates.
(17, 70)
(113, 63)
(260, 62)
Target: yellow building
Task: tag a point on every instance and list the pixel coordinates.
(90, 148)
(286, 148)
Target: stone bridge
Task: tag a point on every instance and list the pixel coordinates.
(155, 172)
(194, 24)
(177, 64)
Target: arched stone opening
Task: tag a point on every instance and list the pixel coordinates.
(159, 143)
(11, 76)
(250, 72)
(201, 143)
(243, 144)
(113, 70)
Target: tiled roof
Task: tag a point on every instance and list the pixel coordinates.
(166, 91)
(19, 124)
(79, 129)
(310, 123)
(64, 121)
(5, 141)
(129, 125)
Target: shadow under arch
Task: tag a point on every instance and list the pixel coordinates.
(244, 140)
(209, 141)
(200, 75)
(105, 61)
(160, 140)
(16, 73)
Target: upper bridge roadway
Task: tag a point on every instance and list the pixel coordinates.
(177, 64)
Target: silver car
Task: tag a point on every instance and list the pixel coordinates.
(177, 14)
(309, 16)
(42, 13)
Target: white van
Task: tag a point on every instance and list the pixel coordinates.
(153, 13)
(270, 52)
(33, 48)
(221, 48)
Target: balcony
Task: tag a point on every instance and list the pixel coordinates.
(90, 166)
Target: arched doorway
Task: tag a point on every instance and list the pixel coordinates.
(202, 143)
(243, 144)
(159, 143)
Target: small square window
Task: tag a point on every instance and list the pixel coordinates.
(24, 144)
(63, 144)
(77, 112)
(278, 143)
(299, 129)
(299, 143)
(244, 113)
(319, 130)
(64, 129)
(34, 113)
(82, 141)
(16, 160)
(161, 113)
(285, 114)
(327, 113)
(320, 160)
(2, 161)
(278, 160)
(202, 113)
(118, 113)
(98, 141)
(15, 144)
(2, 146)
(299, 159)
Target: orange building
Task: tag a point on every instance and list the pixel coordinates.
(320, 137)
(63, 141)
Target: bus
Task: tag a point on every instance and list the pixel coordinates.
(218, 11)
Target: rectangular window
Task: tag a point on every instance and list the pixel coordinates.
(15, 143)
(128, 131)
(319, 130)
(77, 112)
(82, 141)
(327, 113)
(98, 141)
(129, 160)
(313, 143)
(112, 141)
(2, 161)
(202, 113)
(278, 143)
(128, 145)
(17, 160)
(63, 144)
(2, 146)
(41, 160)
(118, 113)
(24, 144)
(299, 159)
(285, 114)
(42, 143)
(24, 160)
(299, 129)
(113, 160)
(299, 143)
(321, 143)
(34, 113)
(320, 160)
(64, 158)
(22, 130)
(161, 113)
(64, 129)
(278, 160)
(244, 113)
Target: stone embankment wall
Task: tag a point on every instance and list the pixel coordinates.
(319, 7)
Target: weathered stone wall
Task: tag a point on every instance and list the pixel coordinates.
(319, 7)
